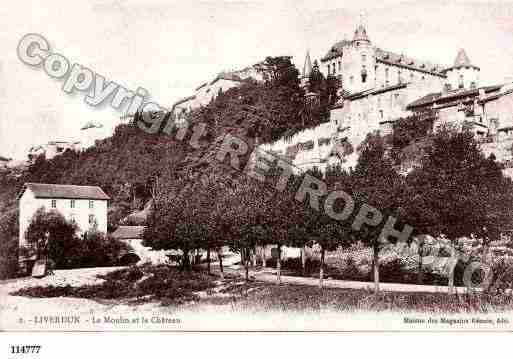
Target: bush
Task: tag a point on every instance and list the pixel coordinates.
(66, 249)
(501, 276)
(166, 284)
(9, 243)
(98, 250)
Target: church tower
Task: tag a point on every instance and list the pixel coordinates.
(360, 61)
(463, 75)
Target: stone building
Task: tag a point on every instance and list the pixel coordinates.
(208, 91)
(51, 149)
(379, 86)
(84, 205)
(90, 133)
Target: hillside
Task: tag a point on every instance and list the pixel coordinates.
(127, 164)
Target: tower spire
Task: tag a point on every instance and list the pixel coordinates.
(361, 33)
(362, 18)
(307, 68)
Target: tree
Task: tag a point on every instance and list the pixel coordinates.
(378, 185)
(457, 192)
(53, 237)
(9, 245)
(170, 227)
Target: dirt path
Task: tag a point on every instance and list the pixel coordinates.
(269, 275)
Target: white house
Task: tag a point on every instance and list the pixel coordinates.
(84, 205)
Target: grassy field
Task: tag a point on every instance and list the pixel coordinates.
(170, 287)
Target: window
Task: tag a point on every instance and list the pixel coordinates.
(92, 219)
(340, 66)
(351, 80)
(473, 85)
(412, 76)
(329, 69)
(72, 218)
(91, 204)
(72, 203)
(461, 82)
(380, 114)
(364, 57)
(400, 77)
(54, 203)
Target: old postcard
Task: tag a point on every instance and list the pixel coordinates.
(256, 166)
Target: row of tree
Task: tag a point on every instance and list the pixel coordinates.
(454, 191)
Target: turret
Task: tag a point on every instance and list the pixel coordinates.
(361, 60)
(463, 74)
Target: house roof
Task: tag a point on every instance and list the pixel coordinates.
(128, 232)
(185, 99)
(401, 60)
(336, 50)
(373, 91)
(44, 190)
(229, 76)
(360, 34)
(200, 86)
(461, 61)
(450, 96)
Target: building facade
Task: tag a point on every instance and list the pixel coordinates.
(84, 205)
(378, 87)
(51, 149)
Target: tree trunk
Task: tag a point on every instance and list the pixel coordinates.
(303, 261)
(452, 265)
(321, 270)
(278, 265)
(186, 263)
(420, 277)
(220, 258)
(253, 258)
(246, 265)
(375, 265)
(208, 260)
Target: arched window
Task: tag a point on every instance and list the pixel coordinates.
(329, 69)
(386, 76)
(340, 66)
(460, 84)
(364, 58)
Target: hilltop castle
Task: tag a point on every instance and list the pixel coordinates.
(379, 86)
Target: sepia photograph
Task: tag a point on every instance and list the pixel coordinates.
(256, 166)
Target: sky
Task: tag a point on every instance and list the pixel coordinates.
(171, 47)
